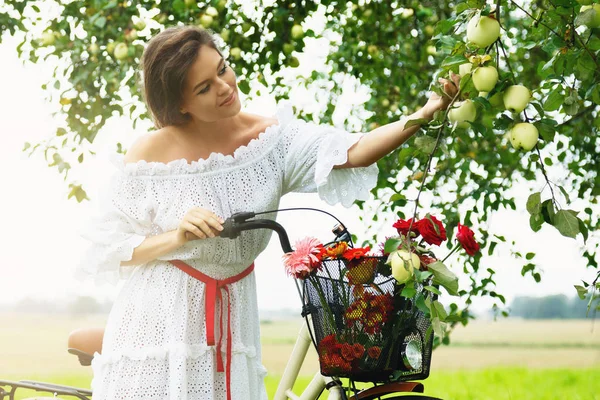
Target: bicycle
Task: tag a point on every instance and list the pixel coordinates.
(85, 342)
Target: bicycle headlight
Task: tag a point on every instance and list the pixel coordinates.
(411, 355)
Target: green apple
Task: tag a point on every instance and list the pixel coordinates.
(121, 51)
(131, 35)
(394, 107)
(497, 100)
(385, 103)
(48, 38)
(212, 12)
(294, 62)
(485, 78)
(110, 48)
(206, 20)
(190, 3)
(297, 31)
(246, 26)
(288, 48)
(429, 30)
(516, 98)
(139, 24)
(595, 21)
(465, 69)
(367, 13)
(236, 53)
(407, 12)
(93, 48)
(221, 5)
(431, 50)
(403, 265)
(373, 50)
(461, 112)
(524, 136)
(225, 34)
(482, 31)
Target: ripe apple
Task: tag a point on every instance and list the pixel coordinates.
(465, 69)
(394, 107)
(461, 112)
(497, 100)
(297, 31)
(212, 12)
(403, 264)
(221, 5)
(595, 21)
(110, 48)
(225, 34)
(121, 51)
(190, 3)
(482, 31)
(288, 48)
(367, 13)
(485, 78)
(524, 136)
(385, 103)
(93, 48)
(429, 30)
(48, 38)
(407, 12)
(206, 20)
(236, 53)
(516, 98)
(431, 50)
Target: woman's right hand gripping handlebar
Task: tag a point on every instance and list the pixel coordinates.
(199, 223)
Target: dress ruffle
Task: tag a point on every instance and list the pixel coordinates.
(256, 148)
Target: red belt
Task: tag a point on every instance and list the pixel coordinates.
(212, 293)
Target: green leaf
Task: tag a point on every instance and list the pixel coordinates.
(425, 144)
(100, 22)
(529, 256)
(456, 59)
(548, 211)
(564, 192)
(536, 221)
(440, 311)
(392, 244)
(583, 229)
(566, 223)
(417, 121)
(244, 86)
(437, 327)
(432, 289)
(409, 291)
(554, 100)
(445, 277)
(533, 203)
(581, 291)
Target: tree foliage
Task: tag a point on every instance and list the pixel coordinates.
(394, 49)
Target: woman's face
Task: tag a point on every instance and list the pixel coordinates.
(209, 82)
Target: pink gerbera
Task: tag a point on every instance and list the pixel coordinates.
(302, 261)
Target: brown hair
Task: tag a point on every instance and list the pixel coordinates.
(165, 63)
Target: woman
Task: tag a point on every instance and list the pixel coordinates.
(185, 325)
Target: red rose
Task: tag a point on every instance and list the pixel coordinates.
(358, 350)
(465, 237)
(402, 227)
(429, 232)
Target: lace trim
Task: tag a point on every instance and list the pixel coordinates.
(255, 148)
(175, 350)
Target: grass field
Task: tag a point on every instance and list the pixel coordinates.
(508, 359)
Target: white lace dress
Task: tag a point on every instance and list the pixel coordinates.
(155, 338)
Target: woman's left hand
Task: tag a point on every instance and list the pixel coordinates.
(437, 102)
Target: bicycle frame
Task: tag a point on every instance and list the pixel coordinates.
(292, 368)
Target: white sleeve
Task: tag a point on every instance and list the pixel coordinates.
(121, 222)
(311, 150)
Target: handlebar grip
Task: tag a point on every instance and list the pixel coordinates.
(229, 229)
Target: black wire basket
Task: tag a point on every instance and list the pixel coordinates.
(361, 327)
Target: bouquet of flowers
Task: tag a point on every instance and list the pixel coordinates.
(374, 312)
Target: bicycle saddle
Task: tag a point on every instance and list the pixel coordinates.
(84, 342)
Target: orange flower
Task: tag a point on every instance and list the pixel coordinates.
(336, 250)
(355, 253)
(374, 352)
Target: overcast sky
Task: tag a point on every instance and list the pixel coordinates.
(41, 248)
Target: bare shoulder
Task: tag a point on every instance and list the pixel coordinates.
(148, 147)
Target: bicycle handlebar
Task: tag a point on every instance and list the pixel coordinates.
(238, 222)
